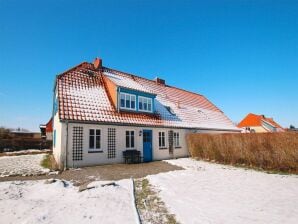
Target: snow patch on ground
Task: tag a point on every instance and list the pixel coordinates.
(22, 165)
(60, 202)
(213, 193)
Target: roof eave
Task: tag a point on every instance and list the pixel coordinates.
(148, 125)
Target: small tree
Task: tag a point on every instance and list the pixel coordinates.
(292, 126)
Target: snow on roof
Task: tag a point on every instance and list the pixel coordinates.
(83, 97)
(125, 81)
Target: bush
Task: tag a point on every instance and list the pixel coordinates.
(269, 151)
(15, 144)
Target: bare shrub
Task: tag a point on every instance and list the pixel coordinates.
(269, 151)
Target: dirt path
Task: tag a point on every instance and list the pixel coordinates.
(104, 172)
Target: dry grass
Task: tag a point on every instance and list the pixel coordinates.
(151, 208)
(49, 162)
(268, 151)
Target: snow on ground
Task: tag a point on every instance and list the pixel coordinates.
(212, 193)
(22, 165)
(36, 202)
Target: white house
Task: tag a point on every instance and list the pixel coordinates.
(100, 112)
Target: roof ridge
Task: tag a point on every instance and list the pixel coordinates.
(140, 77)
(73, 68)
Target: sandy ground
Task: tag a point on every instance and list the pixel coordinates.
(212, 193)
(105, 172)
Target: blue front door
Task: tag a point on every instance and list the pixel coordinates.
(147, 145)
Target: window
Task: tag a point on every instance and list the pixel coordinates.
(162, 139)
(145, 104)
(55, 106)
(170, 110)
(176, 140)
(127, 101)
(54, 138)
(130, 139)
(94, 139)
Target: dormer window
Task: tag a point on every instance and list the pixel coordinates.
(127, 101)
(137, 101)
(145, 104)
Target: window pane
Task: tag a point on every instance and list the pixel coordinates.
(98, 142)
(140, 104)
(97, 131)
(122, 100)
(149, 105)
(132, 139)
(133, 104)
(91, 132)
(159, 141)
(145, 105)
(91, 142)
(132, 143)
(122, 104)
(127, 101)
(127, 141)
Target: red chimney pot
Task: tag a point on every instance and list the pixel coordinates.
(97, 63)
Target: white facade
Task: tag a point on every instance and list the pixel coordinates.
(90, 158)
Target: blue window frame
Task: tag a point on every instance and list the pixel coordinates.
(55, 106)
(54, 138)
(145, 104)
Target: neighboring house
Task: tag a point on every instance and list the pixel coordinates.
(46, 130)
(259, 124)
(100, 112)
(292, 129)
(25, 134)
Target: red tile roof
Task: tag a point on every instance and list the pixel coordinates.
(253, 120)
(49, 126)
(84, 97)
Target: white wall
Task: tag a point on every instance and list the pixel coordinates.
(59, 148)
(90, 159)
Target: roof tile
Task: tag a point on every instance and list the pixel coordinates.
(83, 97)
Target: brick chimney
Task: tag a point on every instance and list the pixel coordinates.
(160, 81)
(97, 63)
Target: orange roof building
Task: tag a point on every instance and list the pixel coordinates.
(259, 124)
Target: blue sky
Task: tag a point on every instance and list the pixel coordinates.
(242, 55)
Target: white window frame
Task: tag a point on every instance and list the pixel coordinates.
(148, 99)
(134, 139)
(163, 146)
(130, 96)
(95, 149)
(176, 139)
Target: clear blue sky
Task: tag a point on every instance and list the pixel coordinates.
(242, 55)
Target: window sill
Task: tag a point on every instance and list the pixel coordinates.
(127, 109)
(162, 148)
(178, 147)
(95, 151)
